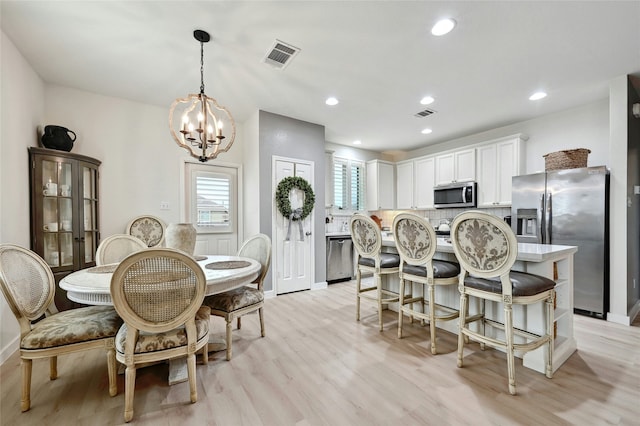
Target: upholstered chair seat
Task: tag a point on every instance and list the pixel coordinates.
(487, 248)
(29, 287)
(416, 243)
(151, 342)
(232, 300)
(367, 240)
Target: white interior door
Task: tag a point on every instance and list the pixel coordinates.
(211, 205)
(293, 256)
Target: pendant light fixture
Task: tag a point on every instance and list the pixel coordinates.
(196, 122)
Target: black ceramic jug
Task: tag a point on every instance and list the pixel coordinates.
(58, 137)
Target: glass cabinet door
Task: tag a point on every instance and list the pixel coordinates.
(89, 211)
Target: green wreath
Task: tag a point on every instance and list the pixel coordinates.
(282, 197)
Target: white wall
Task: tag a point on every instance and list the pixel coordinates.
(21, 109)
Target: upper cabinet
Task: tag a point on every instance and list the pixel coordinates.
(414, 183)
(456, 166)
(380, 185)
(64, 211)
(498, 162)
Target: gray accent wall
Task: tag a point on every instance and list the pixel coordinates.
(287, 137)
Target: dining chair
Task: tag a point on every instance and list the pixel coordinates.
(116, 247)
(158, 293)
(486, 249)
(367, 240)
(150, 229)
(416, 243)
(28, 286)
(246, 299)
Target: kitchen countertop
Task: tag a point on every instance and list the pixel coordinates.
(338, 234)
(526, 251)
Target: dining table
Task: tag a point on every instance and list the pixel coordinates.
(92, 286)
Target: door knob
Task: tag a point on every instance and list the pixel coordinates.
(307, 233)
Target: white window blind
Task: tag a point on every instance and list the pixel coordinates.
(213, 200)
(348, 184)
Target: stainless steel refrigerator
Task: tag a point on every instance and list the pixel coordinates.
(569, 207)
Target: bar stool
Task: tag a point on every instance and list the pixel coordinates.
(416, 243)
(486, 248)
(367, 239)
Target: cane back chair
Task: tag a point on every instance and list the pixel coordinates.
(28, 286)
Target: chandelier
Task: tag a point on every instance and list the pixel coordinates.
(196, 122)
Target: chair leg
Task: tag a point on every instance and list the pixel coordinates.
(112, 370)
(129, 388)
(261, 315)
(549, 372)
(358, 278)
(229, 331)
(379, 290)
(461, 326)
(400, 305)
(191, 371)
(508, 331)
(432, 317)
(205, 354)
(25, 403)
(53, 367)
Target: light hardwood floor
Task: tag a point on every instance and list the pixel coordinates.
(318, 366)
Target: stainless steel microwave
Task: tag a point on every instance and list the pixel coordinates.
(462, 194)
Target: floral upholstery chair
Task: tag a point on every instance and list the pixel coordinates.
(486, 248)
(246, 299)
(116, 247)
(416, 243)
(367, 240)
(29, 287)
(150, 229)
(158, 293)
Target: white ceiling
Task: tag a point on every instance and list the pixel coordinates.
(377, 57)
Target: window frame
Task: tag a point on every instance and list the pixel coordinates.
(345, 189)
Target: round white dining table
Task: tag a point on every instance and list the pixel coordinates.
(91, 286)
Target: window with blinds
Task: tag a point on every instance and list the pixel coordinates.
(348, 184)
(213, 200)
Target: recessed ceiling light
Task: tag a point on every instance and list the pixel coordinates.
(538, 95)
(426, 131)
(331, 101)
(443, 26)
(357, 142)
(427, 100)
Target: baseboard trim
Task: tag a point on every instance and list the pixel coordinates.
(9, 350)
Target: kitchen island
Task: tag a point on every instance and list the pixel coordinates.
(551, 261)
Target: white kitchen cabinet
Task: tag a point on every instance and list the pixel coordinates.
(414, 183)
(456, 166)
(380, 185)
(498, 162)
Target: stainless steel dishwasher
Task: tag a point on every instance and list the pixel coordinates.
(339, 258)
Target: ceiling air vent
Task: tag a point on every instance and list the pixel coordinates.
(424, 113)
(280, 54)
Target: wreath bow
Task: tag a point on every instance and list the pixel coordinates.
(295, 216)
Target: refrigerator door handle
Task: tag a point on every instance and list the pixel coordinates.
(540, 218)
(547, 219)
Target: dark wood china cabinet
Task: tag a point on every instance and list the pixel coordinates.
(64, 212)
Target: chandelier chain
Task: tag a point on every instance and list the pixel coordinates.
(202, 68)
